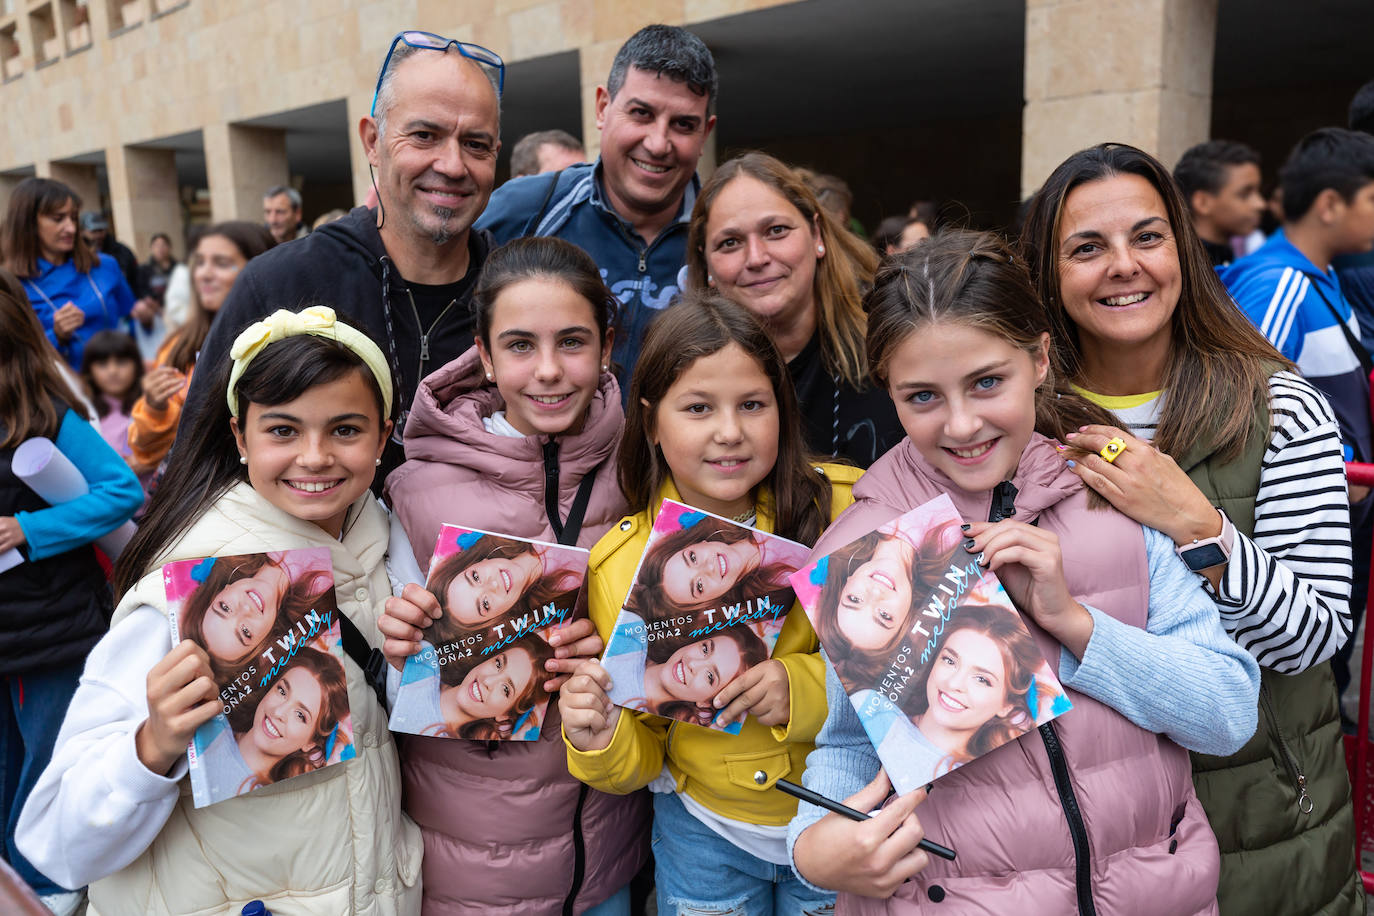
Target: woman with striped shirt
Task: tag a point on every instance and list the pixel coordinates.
(1206, 434)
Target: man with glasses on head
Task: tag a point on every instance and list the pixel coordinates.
(630, 208)
(404, 270)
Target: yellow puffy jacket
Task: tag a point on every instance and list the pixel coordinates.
(714, 768)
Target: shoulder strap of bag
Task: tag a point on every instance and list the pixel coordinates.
(565, 530)
(1361, 354)
(370, 660)
(544, 206)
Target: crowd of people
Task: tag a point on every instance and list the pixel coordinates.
(1139, 403)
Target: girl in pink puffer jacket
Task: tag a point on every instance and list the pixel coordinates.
(517, 436)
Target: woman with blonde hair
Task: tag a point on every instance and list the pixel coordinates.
(759, 237)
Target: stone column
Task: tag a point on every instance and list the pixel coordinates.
(1134, 71)
(145, 197)
(78, 176)
(240, 164)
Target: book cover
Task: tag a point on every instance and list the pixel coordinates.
(269, 624)
(480, 672)
(939, 664)
(707, 603)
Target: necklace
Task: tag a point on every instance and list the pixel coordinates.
(747, 517)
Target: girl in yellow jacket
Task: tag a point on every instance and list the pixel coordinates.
(712, 422)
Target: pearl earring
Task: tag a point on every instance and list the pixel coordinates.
(820, 251)
(379, 462)
(605, 368)
(491, 376)
(243, 459)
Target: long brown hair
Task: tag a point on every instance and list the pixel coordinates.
(1218, 362)
(862, 668)
(543, 590)
(752, 651)
(701, 323)
(328, 671)
(841, 275)
(648, 599)
(19, 234)
(1020, 656)
(974, 279)
(33, 390)
(251, 240)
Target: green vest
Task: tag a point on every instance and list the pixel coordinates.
(1280, 806)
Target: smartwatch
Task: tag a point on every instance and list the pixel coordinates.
(1209, 552)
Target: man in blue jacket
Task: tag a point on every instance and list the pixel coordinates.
(630, 208)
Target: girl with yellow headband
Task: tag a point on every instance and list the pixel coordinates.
(284, 462)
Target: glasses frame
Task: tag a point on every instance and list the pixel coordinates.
(484, 57)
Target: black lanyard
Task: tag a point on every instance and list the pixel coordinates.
(565, 530)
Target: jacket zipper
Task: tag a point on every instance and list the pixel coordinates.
(579, 852)
(1290, 761)
(1082, 855)
(1004, 506)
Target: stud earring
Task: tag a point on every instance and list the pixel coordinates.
(379, 462)
(820, 251)
(605, 368)
(710, 280)
(243, 459)
(491, 376)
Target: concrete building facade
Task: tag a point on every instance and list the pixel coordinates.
(173, 111)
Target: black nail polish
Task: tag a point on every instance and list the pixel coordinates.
(965, 527)
(968, 544)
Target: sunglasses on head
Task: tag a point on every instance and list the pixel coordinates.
(429, 40)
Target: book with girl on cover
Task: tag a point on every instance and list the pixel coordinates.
(480, 672)
(939, 664)
(708, 601)
(269, 624)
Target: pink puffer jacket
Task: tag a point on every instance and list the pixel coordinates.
(506, 829)
(1148, 848)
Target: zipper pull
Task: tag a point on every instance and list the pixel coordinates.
(642, 266)
(1304, 800)
(424, 348)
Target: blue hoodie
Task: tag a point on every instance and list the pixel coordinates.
(644, 278)
(1296, 305)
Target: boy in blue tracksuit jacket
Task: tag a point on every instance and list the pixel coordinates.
(1290, 291)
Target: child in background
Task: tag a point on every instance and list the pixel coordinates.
(113, 373)
(518, 436)
(54, 603)
(284, 460)
(713, 423)
(1098, 809)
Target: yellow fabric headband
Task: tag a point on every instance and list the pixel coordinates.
(319, 321)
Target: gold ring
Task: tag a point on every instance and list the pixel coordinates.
(1113, 449)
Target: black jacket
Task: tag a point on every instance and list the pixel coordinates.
(340, 265)
(51, 610)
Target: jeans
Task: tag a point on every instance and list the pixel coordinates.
(32, 707)
(700, 873)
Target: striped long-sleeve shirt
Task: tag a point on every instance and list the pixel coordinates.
(1285, 595)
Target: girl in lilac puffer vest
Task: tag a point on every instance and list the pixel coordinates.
(502, 439)
(1094, 812)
